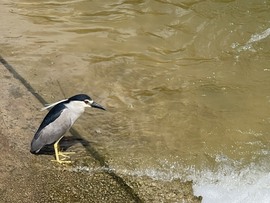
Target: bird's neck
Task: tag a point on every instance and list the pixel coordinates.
(75, 109)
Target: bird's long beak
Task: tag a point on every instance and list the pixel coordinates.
(98, 106)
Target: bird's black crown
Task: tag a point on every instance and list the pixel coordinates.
(79, 97)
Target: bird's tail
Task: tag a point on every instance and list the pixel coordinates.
(36, 145)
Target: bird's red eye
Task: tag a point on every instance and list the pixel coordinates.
(86, 101)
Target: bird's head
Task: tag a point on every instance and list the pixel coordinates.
(84, 100)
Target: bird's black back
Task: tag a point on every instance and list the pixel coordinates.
(53, 114)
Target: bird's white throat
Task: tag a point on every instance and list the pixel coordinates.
(76, 107)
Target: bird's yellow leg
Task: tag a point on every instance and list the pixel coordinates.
(65, 154)
(58, 153)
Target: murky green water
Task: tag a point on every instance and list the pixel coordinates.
(186, 83)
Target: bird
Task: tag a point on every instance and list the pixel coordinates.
(58, 121)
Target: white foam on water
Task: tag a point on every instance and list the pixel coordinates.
(254, 38)
(229, 185)
(259, 37)
(230, 182)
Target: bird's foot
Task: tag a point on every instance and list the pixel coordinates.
(62, 161)
(65, 154)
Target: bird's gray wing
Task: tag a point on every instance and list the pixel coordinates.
(53, 114)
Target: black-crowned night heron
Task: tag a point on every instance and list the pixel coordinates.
(58, 121)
